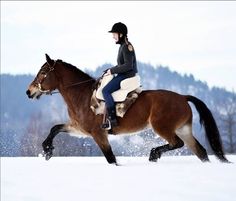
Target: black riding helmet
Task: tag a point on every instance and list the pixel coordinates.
(119, 28)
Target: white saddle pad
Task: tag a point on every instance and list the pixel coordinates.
(126, 86)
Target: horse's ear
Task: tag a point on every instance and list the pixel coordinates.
(49, 60)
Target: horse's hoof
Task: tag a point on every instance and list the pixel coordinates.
(47, 153)
(48, 156)
(151, 159)
(154, 155)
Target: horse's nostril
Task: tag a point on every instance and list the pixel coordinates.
(28, 92)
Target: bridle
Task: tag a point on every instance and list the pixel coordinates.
(50, 69)
(39, 83)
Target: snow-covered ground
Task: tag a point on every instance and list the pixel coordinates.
(173, 178)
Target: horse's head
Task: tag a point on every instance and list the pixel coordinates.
(45, 81)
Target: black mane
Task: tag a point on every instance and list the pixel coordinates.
(76, 70)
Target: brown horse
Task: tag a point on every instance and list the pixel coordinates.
(168, 113)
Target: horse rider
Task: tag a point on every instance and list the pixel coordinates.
(126, 68)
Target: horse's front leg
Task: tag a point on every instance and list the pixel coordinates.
(101, 139)
(48, 142)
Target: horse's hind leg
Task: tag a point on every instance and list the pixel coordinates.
(174, 143)
(185, 133)
(47, 144)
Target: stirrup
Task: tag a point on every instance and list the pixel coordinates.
(107, 125)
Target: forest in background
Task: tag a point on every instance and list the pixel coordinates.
(26, 123)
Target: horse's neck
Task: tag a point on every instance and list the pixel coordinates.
(76, 92)
(70, 78)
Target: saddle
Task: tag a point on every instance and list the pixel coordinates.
(124, 97)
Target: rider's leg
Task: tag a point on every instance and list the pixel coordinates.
(112, 86)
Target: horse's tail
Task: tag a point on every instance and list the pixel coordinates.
(211, 129)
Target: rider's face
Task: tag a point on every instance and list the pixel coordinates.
(115, 36)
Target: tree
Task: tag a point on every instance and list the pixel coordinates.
(230, 122)
(228, 118)
(31, 140)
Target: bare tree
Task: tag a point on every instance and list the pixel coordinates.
(31, 140)
(228, 118)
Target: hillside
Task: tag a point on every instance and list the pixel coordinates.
(25, 123)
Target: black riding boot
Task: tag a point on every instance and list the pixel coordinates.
(111, 121)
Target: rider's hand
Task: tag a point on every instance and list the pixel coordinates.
(108, 72)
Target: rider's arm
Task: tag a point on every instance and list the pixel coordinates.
(128, 55)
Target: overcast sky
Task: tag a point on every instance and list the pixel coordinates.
(191, 37)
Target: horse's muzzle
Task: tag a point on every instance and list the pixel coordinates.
(28, 92)
(36, 94)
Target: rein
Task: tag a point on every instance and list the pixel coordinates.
(79, 83)
(71, 85)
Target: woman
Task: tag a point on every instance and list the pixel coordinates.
(126, 67)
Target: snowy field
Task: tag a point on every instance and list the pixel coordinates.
(173, 178)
